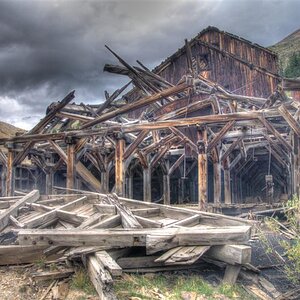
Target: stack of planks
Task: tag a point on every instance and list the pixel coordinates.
(113, 235)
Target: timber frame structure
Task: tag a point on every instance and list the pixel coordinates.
(211, 124)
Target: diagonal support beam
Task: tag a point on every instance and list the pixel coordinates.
(289, 119)
(271, 129)
(218, 137)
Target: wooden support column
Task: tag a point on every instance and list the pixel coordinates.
(119, 166)
(49, 182)
(10, 170)
(202, 168)
(227, 184)
(130, 185)
(105, 182)
(70, 163)
(217, 182)
(3, 181)
(147, 183)
(166, 184)
(296, 164)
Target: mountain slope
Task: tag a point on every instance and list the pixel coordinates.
(7, 130)
(286, 48)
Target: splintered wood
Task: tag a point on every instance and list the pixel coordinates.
(108, 233)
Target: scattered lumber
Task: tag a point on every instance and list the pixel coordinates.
(108, 233)
(13, 210)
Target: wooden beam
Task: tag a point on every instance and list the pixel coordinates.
(271, 129)
(289, 119)
(147, 184)
(13, 210)
(9, 171)
(120, 238)
(132, 147)
(138, 104)
(217, 182)
(119, 166)
(70, 164)
(176, 164)
(200, 120)
(82, 171)
(51, 114)
(227, 184)
(202, 169)
(218, 137)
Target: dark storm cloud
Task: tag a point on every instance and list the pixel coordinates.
(48, 48)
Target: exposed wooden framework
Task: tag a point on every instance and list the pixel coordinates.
(175, 137)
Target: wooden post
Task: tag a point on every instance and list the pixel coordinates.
(3, 181)
(227, 184)
(296, 164)
(130, 185)
(70, 163)
(119, 166)
(202, 168)
(147, 184)
(105, 182)
(166, 189)
(217, 182)
(10, 170)
(49, 182)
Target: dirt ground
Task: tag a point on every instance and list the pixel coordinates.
(16, 284)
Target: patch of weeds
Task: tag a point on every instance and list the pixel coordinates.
(53, 267)
(192, 284)
(234, 292)
(171, 287)
(41, 263)
(81, 281)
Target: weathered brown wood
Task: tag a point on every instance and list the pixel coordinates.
(289, 119)
(70, 164)
(96, 273)
(202, 170)
(231, 274)
(217, 182)
(13, 210)
(176, 164)
(166, 189)
(271, 128)
(120, 238)
(219, 135)
(231, 254)
(9, 172)
(51, 114)
(16, 254)
(227, 186)
(119, 167)
(80, 168)
(231, 148)
(147, 184)
(138, 104)
(132, 147)
(208, 119)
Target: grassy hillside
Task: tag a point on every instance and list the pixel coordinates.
(286, 48)
(7, 130)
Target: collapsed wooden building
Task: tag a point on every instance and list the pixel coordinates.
(212, 124)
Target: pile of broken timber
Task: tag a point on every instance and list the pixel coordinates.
(113, 235)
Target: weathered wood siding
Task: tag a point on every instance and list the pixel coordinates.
(231, 73)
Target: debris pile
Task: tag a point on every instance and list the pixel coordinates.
(112, 235)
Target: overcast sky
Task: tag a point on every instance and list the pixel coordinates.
(48, 48)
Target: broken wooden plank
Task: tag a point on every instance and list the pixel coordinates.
(109, 263)
(13, 210)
